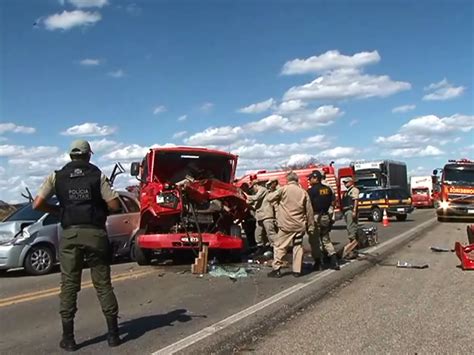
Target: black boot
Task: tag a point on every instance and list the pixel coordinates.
(113, 338)
(317, 266)
(68, 342)
(334, 263)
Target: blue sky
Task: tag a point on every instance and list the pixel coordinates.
(273, 81)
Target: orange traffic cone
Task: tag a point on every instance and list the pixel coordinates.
(385, 218)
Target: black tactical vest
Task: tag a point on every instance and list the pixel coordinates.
(321, 198)
(347, 200)
(78, 191)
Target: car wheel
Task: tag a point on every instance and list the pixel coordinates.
(39, 260)
(402, 217)
(376, 214)
(142, 256)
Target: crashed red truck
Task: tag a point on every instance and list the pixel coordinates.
(187, 197)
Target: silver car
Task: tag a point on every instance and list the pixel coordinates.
(30, 239)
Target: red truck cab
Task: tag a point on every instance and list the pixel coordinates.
(187, 198)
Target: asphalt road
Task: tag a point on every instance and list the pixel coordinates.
(388, 309)
(159, 305)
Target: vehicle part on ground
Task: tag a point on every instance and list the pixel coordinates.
(456, 197)
(465, 254)
(407, 265)
(441, 249)
(470, 234)
(39, 260)
(188, 198)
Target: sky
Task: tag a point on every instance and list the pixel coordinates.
(275, 82)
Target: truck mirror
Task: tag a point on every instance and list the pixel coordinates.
(135, 169)
(435, 171)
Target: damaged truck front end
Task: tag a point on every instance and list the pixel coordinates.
(187, 198)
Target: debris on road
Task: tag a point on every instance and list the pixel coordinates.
(441, 249)
(236, 273)
(465, 253)
(407, 265)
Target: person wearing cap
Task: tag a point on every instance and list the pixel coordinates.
(265, 229)
(295, 218)
(349, 207)
(85, 199)
(322, 199)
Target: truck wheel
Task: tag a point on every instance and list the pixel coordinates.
(39, 260)
(402, 217)
(142, 256)
(376, 214)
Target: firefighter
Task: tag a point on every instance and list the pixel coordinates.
(85, 197)
(350, 208)
(321, 200)
(295, 218)
(265, 230)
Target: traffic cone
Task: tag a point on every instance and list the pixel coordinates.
(385, 218)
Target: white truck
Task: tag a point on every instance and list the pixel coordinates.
(422, 191)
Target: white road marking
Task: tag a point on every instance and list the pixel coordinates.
(208, 331)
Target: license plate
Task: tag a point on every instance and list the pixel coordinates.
(400, 209)
(190, 239)
(470, 211)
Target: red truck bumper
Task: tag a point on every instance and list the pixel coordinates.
(181, 241)
(422, 203)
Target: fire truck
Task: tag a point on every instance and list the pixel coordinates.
(456, 198)
(328, 171)
(422, 191)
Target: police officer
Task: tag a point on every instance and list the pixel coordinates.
(84, 196)
(349, 208)
(321, 199)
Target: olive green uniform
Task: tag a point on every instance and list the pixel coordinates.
(77, 246)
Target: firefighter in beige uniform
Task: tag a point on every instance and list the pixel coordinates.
(295, 218)
(265, 231)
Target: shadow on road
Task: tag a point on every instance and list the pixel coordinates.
(135, 328)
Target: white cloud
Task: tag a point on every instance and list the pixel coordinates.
(218, 136)
(328, 61)
(102, 145)
(322, 116)
(89, 62)
(291, 106)
(443, 90)
(131, 152)
(179, 134)
(159, 109)
(182, 118)
(297, 159)
(428, 151)
(206, 106)
(418, 137)
(353, 123)
(88, 3)
(89, 130)
(258, 107)
(344, 84)
(119, 73)
(11, 127)
(403, 108)
(70, 19)
(337, 153)
(20, 151)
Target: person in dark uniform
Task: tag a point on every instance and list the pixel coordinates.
(85, 197)
(321, 199)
